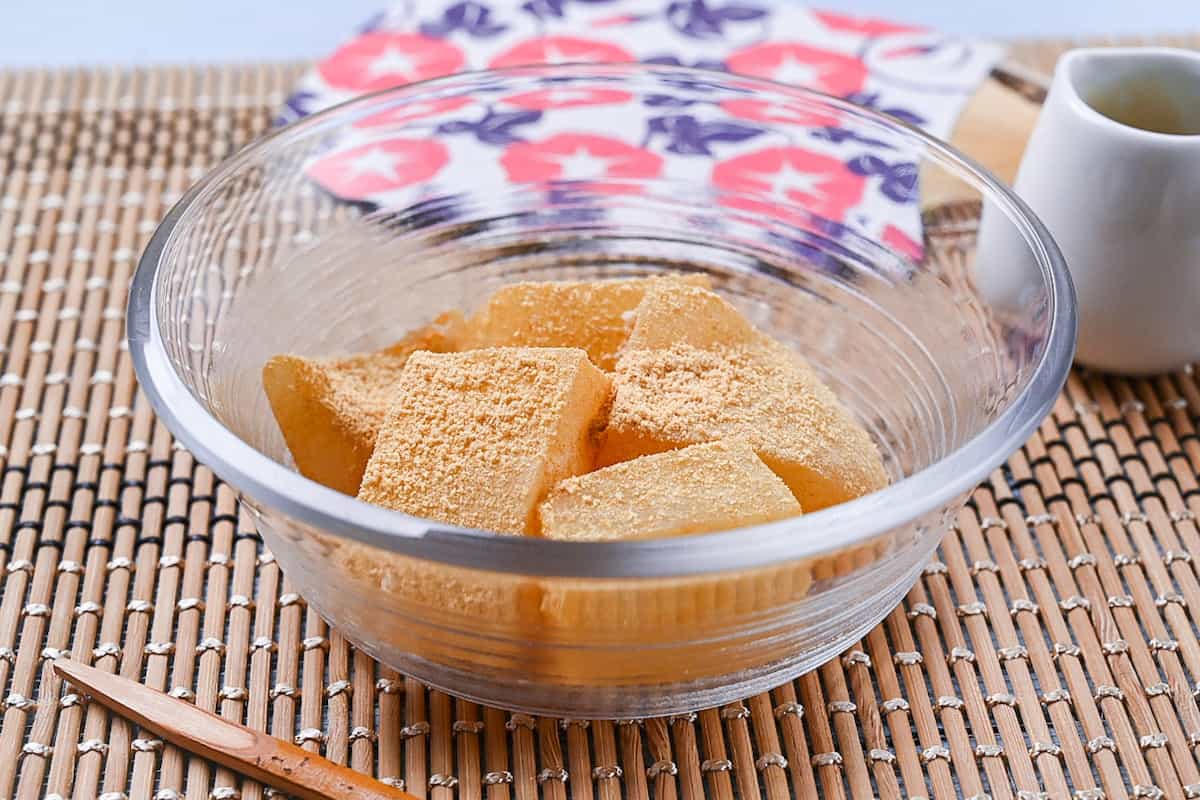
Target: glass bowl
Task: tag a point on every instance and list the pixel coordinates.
(819, 219)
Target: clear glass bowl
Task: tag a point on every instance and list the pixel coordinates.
(287, 247)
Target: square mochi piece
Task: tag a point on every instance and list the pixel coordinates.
(694, 370)
(592, 315)
(689, 315)
(330, 409)
(697, 489)
(478, 438)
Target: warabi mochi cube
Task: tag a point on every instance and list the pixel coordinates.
(696, 489)
(477, 438)
(330, 409)
(695, 371)
(592, 315)
(689, 315)
(669, 398)
(705, 487)
(424, 607)
(668, 623)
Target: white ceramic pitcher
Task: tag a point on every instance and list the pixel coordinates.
(1113, 169)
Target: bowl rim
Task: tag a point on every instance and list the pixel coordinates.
(271, 483)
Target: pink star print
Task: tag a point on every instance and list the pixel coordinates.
(381, 60)
(380, 166)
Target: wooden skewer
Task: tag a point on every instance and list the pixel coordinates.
(276, 763)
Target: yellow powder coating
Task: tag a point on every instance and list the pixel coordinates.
(697, 489)
(690, 315)
(330, 410)
(592, 315)
(678, 382)
(477, 438)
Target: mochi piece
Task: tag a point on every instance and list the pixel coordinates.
(695, 489)
(689, 315)
(424, 608)
(705, 487)
(668, 623)
(592, 315)
(330, 409)
(694, 370)
(478, 438)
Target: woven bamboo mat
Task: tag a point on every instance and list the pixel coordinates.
(1052, 651)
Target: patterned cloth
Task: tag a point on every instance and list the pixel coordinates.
(917, 75)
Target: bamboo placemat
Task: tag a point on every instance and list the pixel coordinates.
(1051, 652)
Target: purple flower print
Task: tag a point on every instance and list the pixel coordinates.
(545, 9)
(820, 245)
(697, 19)
(839, 135)
(473, 19)
(372, 23)
(670, 100)
(687, 136)
(871, 100)
(673, 61)
(899, 180)
(570, 206)
(812, 252)
(495, 128)
(298, 105)
(554, 9)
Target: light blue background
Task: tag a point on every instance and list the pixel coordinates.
(69, 32)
